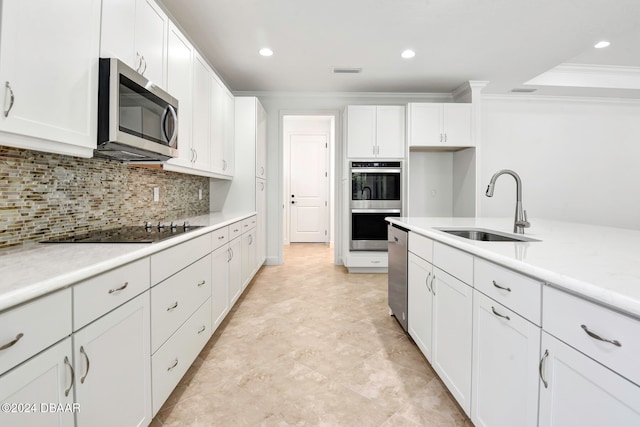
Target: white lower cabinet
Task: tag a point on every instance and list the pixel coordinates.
(249, 256)
(577, 391)
(420, 300)
(219, 285)
(113, 367)
(235, 270)
(171, 361)
(452, 335)
(33, 389)
(505, 366)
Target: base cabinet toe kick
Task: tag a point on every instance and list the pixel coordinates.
(515, 351)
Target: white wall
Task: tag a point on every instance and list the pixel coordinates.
(579, 160)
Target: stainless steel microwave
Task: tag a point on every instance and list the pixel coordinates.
(137, 121)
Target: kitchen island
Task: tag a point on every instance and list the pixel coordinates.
(526, 333)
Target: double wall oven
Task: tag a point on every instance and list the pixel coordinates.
(375, 194)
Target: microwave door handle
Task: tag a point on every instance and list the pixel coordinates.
(174, 136)
(163, 120)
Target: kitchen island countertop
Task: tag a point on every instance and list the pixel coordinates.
(30, 271)
(599, 263)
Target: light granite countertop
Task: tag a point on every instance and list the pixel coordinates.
(30, 271)
(599, 263)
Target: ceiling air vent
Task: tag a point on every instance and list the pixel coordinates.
(523, 90)
(346, 70)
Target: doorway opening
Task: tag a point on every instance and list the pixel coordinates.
(308, 178)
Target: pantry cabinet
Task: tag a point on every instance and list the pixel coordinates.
(135, 31)
(375, 131)
(49, 75)
(47, 379)
(439, 125)
(113, 367)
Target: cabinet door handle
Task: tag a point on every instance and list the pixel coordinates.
(138, 62)
(501, 287)
(445, 135)
(73, 376)
(599, 338)
(224, 165)
(498, 314)
(86, 358)
(201, 283)
(145, 65)
(250, 239)
(440, 137)
(426, 282)
(261, 170)
(12, 342)
(433, 289)
(202, 329)
(12, 98)
(173, 307)
(175, 363)
(262, 186)
(540, 368)
(229, 255)
(121, 288)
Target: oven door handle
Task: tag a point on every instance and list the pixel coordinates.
(383, 211)
(376, 170)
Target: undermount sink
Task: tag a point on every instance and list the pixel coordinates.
(483, 235)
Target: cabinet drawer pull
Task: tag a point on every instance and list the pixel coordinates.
(121, 288)
(86, 358)
(11, 99)
(173, 307)
(12, 342)
(501, 287)
(599, 338)
(175, 363)
(498, 314)
(546, 354)
(220, 237)
(73, 376)
(202, 329)
(426, 282)
(201, 283)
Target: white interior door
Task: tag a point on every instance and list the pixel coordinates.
(308, 184)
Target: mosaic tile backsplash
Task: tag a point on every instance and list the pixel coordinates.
(48, 195)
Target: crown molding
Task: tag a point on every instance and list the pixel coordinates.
(434, 97)
(589, 76)
(559, 98)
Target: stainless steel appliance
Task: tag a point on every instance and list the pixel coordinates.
(375, 194)
(137, 121)
(129, 234)
(398, 266)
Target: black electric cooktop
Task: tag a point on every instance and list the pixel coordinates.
(128, 234)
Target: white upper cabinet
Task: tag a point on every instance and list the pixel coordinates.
(180, 85)
(375, 131)
(439, 125)
(49, 75)
(200, 146)
(222, 114)
(135, 31)
(261, 142)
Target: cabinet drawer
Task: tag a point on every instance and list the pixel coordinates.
(171, 361)
(249, 223)
(101, 294)
(175, 299)
(568, 318)
(219, 237)
(455, 262)
(174, 259)
(515, 291)
(235, 230)
(421, 246)
(34, 326)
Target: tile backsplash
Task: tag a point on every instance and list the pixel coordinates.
(46, 195)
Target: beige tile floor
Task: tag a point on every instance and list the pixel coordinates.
(310, 345)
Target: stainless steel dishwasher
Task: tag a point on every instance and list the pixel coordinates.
(398, 262)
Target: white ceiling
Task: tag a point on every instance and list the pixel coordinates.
(505, 42)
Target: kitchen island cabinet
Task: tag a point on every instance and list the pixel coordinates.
(57, 113)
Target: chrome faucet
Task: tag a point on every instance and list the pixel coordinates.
(520, 222)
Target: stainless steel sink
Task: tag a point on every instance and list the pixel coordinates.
(483, 235)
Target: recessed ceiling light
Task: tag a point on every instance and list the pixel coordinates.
(601, 44)
(408, 54)
(265, 51)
